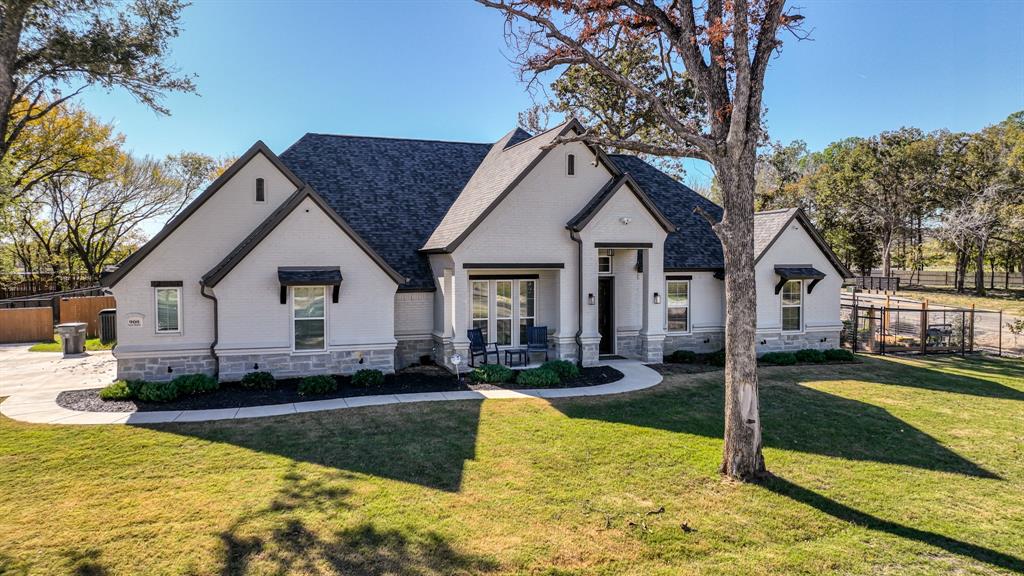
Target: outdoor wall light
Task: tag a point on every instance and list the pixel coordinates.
(657, 298)
(590, 299)
(625, 220)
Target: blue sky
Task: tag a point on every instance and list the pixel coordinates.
(438, 69)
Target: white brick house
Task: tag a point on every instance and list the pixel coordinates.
(348, 252)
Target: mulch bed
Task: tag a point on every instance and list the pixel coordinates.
(231, 395)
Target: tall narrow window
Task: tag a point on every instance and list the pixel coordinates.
(261, 192)
(678, 306)
(480, 306)
(168, 310)
(503, 312)
(527, 303)
(792, 306)
(309, 317)
(570, 164)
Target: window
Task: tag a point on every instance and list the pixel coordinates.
(678, 305)
(527, 306)
(792, 306)
(503, 312)
(480, 307)
(604, 261)
(168, 310)
(261, 191)
(570, 164)
(309, 318)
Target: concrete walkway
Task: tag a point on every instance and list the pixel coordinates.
(33, 380)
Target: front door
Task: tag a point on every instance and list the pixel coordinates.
(605, 314)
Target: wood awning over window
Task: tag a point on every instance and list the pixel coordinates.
(309, 276)
(787, 273)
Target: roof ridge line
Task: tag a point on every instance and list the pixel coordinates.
(537, 135)
(395, 138)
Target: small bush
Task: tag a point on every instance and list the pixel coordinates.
(258, 380)
(682, 357)
(717, 358)
(838, 355)
(779, 358)
(158, 392)
(317, 385)
(810, 356)
(537, 378)
(565, 369)
(367, 378)
(492, 374)
(192, 384)
(117, 391)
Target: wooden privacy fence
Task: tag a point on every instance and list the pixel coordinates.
(85, 310)
(26, 325)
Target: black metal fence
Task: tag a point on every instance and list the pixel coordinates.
(879, 329)
(994, 279)
(884, 283)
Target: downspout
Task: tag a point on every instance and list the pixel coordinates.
(579, 296)
(216, 332)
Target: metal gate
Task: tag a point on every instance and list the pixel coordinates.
(889, 330)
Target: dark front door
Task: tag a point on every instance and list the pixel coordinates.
(605, 319)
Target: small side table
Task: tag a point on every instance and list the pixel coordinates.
(517, 353)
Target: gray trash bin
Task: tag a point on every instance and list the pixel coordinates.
(108, 325)
(72, 335)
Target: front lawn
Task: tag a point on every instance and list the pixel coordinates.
(891, 466)
(91, 345)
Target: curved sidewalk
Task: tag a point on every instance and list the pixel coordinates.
(40, 406)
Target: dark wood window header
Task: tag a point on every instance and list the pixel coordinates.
(166, 283)
(511, 266)
(623, 245)
(680, 277)
(504, 277)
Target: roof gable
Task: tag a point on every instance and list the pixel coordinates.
(580, 221)
(126, 266)
(224, 267)
(770, 225)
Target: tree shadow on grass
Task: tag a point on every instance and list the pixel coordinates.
(793, 417)
(845, 513)
(398, 441)
(934, 379)
(278, 539)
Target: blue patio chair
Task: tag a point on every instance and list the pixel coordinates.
(537, 340)
(477, 347)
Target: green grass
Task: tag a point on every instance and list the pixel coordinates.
(1010, 301)
(91, 344)
(888, 466)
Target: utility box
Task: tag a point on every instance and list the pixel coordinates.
(72, 336)
(108, 325)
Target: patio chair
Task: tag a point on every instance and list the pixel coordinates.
(477, 347)
(537, 341)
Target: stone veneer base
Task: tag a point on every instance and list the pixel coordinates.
(155, 368)
(287, 365)
(409, 352)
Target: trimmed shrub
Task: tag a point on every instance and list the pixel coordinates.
(192, 384)
(117, 391)
(368, 377)
(258, 380)
(810, 356)
(682, 357)
(779, 358)
(717, 358)
(565, 369)
(317, 385)
(158, 391)
(838, 355)
(492, 374)
(537, 378)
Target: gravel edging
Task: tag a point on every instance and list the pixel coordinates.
(415, 380)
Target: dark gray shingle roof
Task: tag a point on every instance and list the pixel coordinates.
(392, 192)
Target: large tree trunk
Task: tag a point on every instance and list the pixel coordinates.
(742, 456)
(887, 238)
(12, 18)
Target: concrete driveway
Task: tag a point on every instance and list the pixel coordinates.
(25, 373)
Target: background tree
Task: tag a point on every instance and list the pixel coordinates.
(50, 50)
(677, 80)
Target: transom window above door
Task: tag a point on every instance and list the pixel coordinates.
(503, 310)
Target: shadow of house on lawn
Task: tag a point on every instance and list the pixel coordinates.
(397, 441)
(279, 538)
(793, 417)
(845, 513)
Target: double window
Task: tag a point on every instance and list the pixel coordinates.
(500, 305)
(168, 310)
(309, 318)
(792, 306)
(678, 305)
